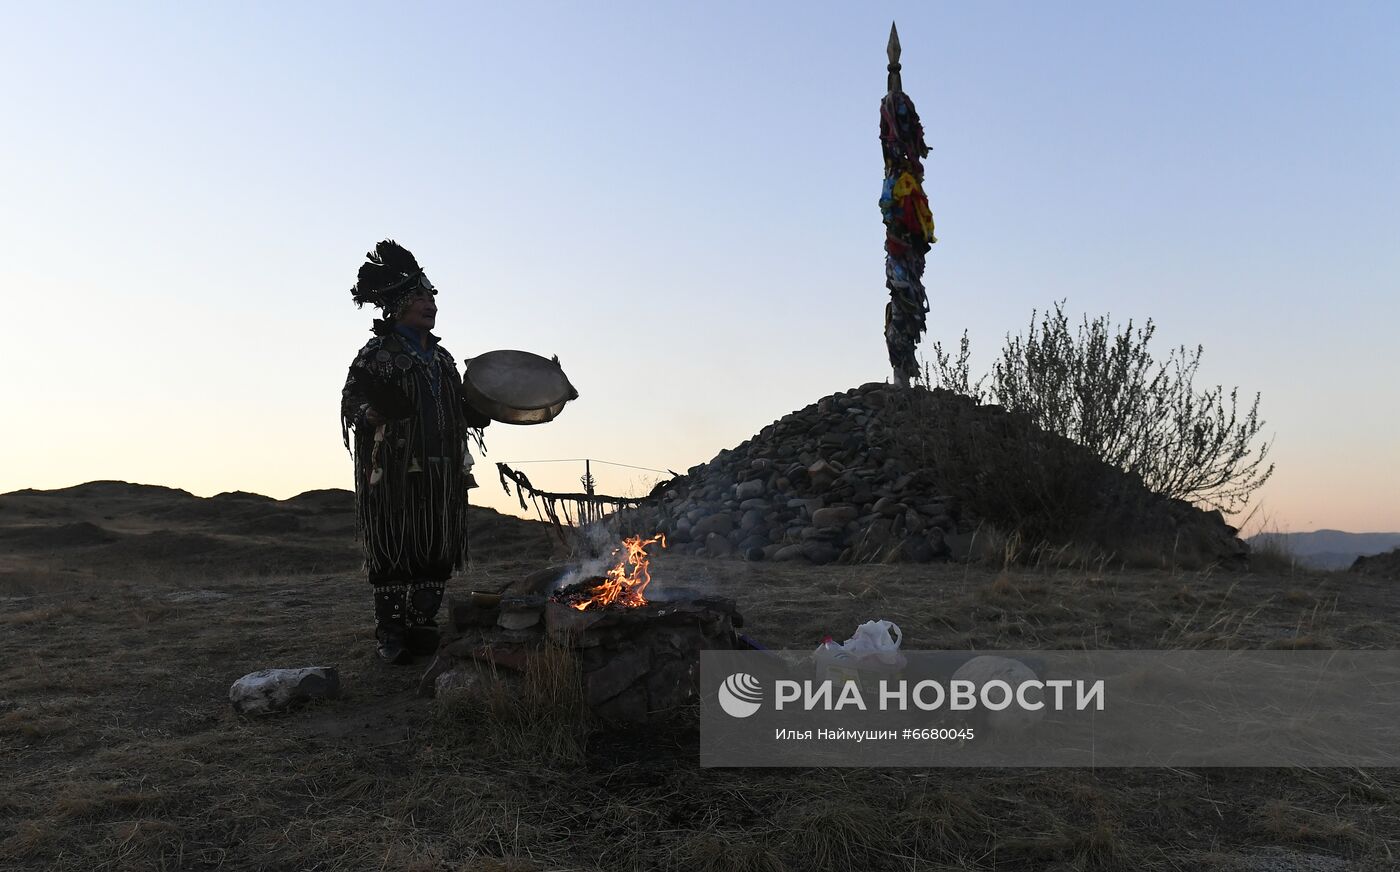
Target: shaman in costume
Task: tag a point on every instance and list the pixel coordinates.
(403, 400)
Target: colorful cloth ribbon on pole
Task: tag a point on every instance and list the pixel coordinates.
(908, 221)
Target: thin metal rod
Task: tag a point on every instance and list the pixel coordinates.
(584, 460)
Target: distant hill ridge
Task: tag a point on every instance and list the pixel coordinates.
(1330, 549)
(114, 488)
(118, 523)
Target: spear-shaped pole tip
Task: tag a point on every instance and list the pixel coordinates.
(892, 50)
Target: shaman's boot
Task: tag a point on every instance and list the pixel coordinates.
(421, 635)
(389, 620)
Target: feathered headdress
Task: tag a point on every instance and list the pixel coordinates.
(389, 278)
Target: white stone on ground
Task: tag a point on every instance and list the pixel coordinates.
(274, 690)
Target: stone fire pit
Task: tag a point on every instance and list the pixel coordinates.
(638, 664)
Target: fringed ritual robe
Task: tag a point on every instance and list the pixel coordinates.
(410, 487)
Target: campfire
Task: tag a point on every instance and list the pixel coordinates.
(638, 657)
(625, 584)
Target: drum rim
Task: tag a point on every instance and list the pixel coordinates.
(510, 414)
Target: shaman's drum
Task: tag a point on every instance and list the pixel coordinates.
(517, 387)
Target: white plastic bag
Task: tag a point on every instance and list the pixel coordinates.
(877, 640)
(833, 662)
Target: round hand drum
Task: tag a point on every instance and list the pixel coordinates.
(517, 387)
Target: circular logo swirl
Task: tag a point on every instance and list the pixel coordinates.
(740, 695)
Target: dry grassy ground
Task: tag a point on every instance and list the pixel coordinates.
(120, 750)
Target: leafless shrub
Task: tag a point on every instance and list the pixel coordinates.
(1043, 488)
(1101, 388)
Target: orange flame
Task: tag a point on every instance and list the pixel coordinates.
(621, 586)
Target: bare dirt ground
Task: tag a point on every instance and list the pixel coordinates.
(124, 617)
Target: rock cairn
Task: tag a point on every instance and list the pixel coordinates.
(825, 485)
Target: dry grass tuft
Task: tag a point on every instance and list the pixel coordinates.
(39, 721)
(945, 823)
(1101, 846)
(1271, 553)
(995, 548)
(726, 851)
(47, 614)
(31, 837)
(1097, 845)
(831, 834)
(536, 715)
(94, 799)
(145, 843)
(1006, 589)
(1363, 786)
(1308, 642)
(1289, 823)
(149, 613)
(499, 864)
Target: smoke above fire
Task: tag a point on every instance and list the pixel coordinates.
(595, 549)
(596, 585)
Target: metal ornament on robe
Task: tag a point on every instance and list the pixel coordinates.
(517, 387)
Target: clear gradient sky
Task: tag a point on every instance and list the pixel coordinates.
(679, 199)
